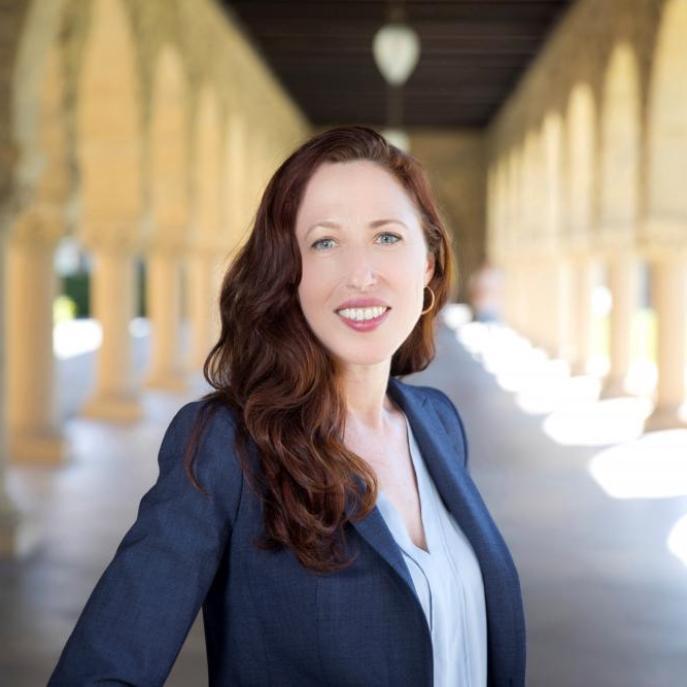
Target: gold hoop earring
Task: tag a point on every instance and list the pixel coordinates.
(432, 305)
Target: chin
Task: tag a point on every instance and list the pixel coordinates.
(363, 357)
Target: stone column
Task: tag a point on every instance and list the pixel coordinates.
(18, 533)
(507, 313)
(540, 309)
(32, 411)
(163, 291)
(561, 316)
(623, 285)
(581, 307)
(219, 267)
(511, 292)
(532, 302)
(670, 302)
(113, 282)
(524, 298)
(202, 300)
(529, 300)
(516, 296)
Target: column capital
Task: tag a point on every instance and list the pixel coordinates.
(206, 247)
(165, 248)
(106, 239)
(39, 226)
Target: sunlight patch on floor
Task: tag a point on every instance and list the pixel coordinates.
(598, 423)
(652, 466)
(677, 540)
(574, 414)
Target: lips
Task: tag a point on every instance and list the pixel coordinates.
(362, 303)
(366, 325)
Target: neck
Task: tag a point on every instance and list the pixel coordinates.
(365, 390)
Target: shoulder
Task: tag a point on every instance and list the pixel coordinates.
(448, 414)
(219, 420)
(216, 466)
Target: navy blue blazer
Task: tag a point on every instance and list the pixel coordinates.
(267, 619)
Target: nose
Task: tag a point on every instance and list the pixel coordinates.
(362, 273)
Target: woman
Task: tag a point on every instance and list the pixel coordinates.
(317, 508)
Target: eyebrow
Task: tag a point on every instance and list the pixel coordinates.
(372, 225)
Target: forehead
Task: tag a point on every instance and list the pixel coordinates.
(351, 189)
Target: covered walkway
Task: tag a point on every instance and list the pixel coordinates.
(604, 595)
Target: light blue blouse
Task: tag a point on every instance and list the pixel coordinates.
(448, 582)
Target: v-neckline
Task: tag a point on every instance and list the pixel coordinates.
(423, 498)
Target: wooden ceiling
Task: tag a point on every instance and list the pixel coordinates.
(471, 55)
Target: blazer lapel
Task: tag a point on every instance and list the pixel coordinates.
(374, 530)
(424, 423)
(444, 462)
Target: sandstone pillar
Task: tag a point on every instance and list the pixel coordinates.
(163, 289)
(561, 296)
(542, 311)
(581, 307)
(622, 283)
(202, 300)
(670, 301)
(18, 533)
(519, 298)
(507, 313)
(113, 281)
(34, 432)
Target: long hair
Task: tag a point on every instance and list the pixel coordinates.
(281, 383)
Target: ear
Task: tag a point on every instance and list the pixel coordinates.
(429, 269)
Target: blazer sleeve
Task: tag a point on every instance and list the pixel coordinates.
(458, 428)
(141, 609)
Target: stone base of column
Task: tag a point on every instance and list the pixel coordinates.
(113, 408)
(46, 448)
(552, 350)
(671, 417)
(175, 382)
(578, 368)
(614, 387)
(19, 534)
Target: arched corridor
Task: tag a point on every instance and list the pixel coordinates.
(136, 141)
(600, 582)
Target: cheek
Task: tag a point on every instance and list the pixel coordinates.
(313, 283)
(410, 269)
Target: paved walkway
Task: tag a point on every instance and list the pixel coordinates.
(605, 599)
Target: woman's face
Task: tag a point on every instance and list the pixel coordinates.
(360, 237)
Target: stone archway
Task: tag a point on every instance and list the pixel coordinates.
(531, 234)
(518, 281)
(169, 186)
(109, 154)
(581, 141)
(33, 91)
(32, 414)
(666, 214)
(235, 184)
(206, 239)
(619, 205)
(559, 329)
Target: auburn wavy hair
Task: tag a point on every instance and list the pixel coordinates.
(281, 383)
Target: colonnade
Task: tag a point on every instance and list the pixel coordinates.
(586, 170)
(142, 147)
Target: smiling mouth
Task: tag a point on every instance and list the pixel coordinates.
(362, 314)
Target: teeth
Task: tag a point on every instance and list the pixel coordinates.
(361, 314)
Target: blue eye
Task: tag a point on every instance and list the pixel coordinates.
(386, 233)
(320, 241)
